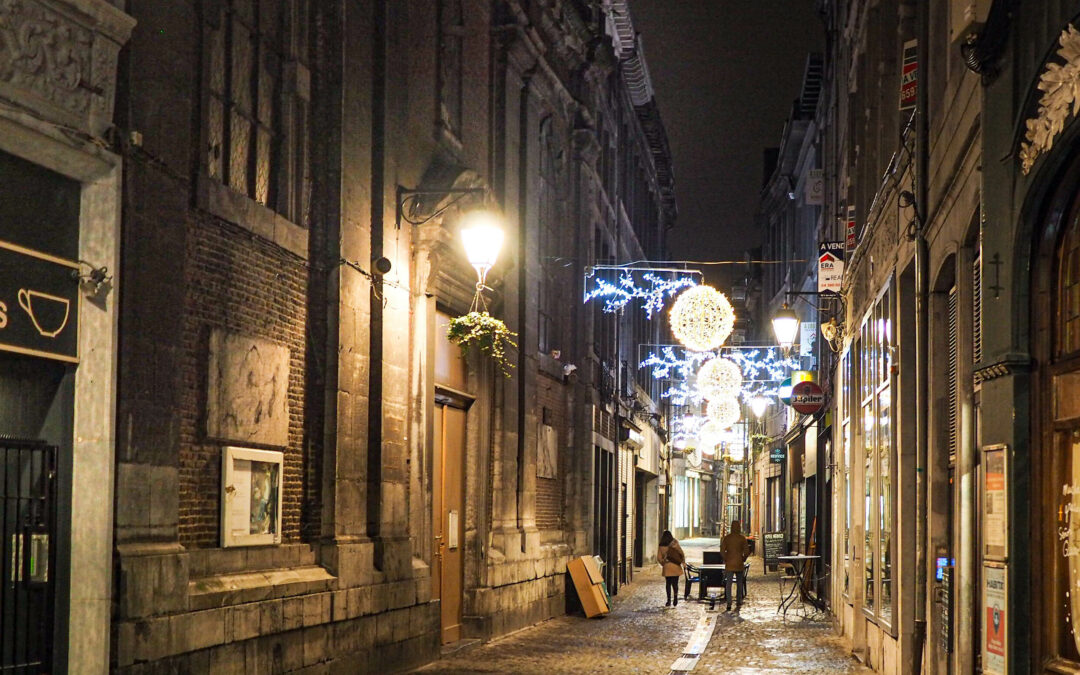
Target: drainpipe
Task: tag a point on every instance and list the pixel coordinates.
(922, 340)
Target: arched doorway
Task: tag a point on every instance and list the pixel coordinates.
(1055, 457)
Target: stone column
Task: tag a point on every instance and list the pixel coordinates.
(347, 152)
(578, 504)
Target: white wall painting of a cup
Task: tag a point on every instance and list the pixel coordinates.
(27, 299)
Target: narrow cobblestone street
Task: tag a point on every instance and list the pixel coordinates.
(642, 636)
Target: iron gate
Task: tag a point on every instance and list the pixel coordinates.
(27, 534)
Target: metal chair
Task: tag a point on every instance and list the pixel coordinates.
(692, 574)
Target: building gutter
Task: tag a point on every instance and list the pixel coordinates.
(922, 341)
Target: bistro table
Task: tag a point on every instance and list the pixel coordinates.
(798, 563)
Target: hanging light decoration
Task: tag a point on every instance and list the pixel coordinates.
(702, 318)
(719, 378)
(724, 412)
(709, 436)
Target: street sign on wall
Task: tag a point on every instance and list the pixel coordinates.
(39, 304)
(807, 398)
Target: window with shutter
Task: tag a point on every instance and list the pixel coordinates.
(976, 306)
(951, 391)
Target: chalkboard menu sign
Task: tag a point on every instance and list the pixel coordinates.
(774, 547)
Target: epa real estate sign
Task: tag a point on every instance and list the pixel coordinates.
(830, 266)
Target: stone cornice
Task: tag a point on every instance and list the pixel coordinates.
(1010, 364)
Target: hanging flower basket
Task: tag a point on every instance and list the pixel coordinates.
(481, 330)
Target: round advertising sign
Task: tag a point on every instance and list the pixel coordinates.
(807, 398)
(784, 393)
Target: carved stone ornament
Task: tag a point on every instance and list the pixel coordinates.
(62, 64)
(1060, 84)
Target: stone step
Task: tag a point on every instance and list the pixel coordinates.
(221, 590)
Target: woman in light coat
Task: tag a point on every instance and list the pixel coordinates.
(671, 558)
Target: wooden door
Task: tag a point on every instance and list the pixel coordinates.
(448, 501)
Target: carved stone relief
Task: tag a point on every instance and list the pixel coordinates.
(45, 53)
(1060, 84)
(247, 390)
(48, 57)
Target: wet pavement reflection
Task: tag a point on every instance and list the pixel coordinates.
(641, 635)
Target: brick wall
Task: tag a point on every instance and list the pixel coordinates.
(551, 400)
(241, 283)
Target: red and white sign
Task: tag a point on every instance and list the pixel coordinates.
(807, 398)
(909, 75)
(995, 647)
(830, 267)
(852, 237)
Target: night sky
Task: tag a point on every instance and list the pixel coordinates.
(725, 74)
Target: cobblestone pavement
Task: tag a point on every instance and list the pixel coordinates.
(642, 636)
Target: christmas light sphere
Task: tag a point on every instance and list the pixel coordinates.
(709, 436)
(719, 378)
(724, 412)
(702, 318)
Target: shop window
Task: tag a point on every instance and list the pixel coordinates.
(845, 416)
(1065, 448)
(256, 102)
(682, 516)
(873, 352)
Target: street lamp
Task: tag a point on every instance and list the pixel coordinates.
(758, 405)
(785, 325)
(481, 227)
(482, 235)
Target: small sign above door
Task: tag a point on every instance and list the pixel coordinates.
(39, 304)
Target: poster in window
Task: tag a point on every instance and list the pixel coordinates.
(995, 516)
(251, 497)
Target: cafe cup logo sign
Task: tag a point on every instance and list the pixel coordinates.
(27, 298)
(807, 398)
(39, 304)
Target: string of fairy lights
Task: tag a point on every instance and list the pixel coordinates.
(700, 370)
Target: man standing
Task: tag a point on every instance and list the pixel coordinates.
(735, 550)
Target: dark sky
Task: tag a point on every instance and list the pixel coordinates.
(725, 73)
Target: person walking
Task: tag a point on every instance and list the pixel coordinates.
(735, 550)
(671, 558)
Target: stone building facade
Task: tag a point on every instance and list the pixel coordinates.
(903, 190)
(60, 231)
(953, 547)
(272, 150)
(790, 479)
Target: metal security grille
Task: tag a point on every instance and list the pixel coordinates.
(27, 532)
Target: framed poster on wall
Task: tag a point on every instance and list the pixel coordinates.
(995, 597)
(995, 502)
(250, 496)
